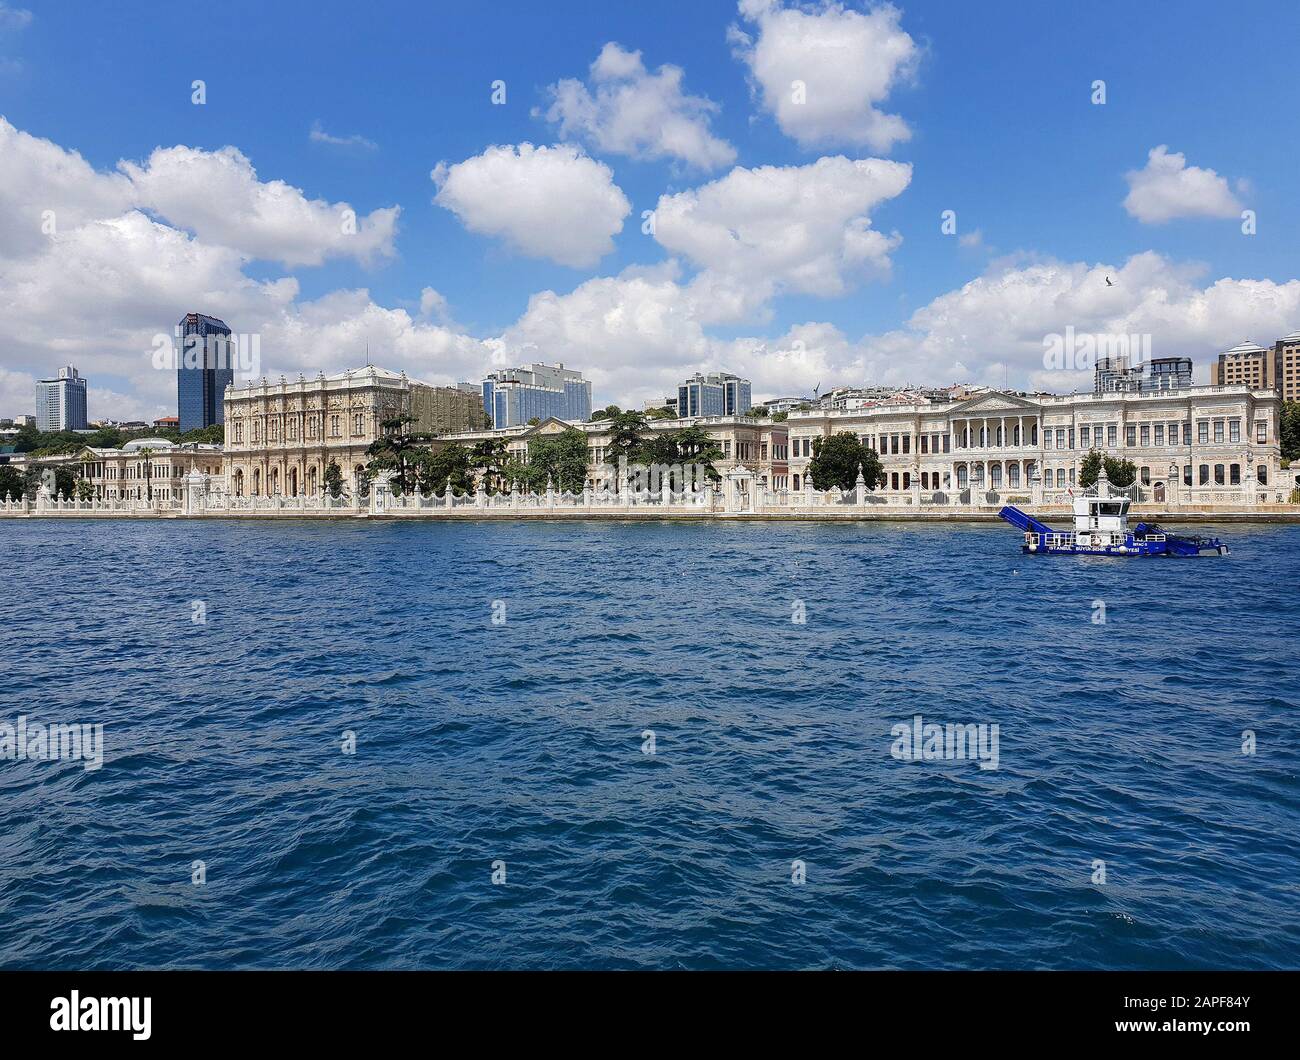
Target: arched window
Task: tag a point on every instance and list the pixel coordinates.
(1234, 474)
(1013, 475)
(1261, 473)
(995, 476)
(1146, 476)
(796, 482)
(257, 482)
(1060, 478)
(1203, 475)
(1218, 474)
(961, 476)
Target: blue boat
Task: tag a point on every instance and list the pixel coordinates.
(1101, 529)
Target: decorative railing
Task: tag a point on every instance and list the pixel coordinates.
(729, 498)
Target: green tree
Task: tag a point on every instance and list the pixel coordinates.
(663, 412)
(1090, 468)
(1120, 472)
(490, 457)
(332, 480)
(627, 434)
(759, 411)
(452, 463)
(84, 490)
(561, 458)
(780, 417)
(398, 450)
(1289, 424)
(608, 412)
(835, 462)
(693, 445)
(13, 484)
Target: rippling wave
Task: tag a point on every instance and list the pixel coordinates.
(522, 743)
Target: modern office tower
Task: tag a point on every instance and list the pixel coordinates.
(1114, 375)
(1168, 373)
(516, 395)
(61, 402)
(1287, 354)
(206, 366)
(1248, 364)
(716, 394)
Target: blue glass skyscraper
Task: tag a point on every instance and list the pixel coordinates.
(517, 395)
(205, 366)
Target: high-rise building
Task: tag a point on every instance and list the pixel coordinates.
(1115, 375)
(516, 395)
(716, 394)
(1167, 373)
(1248, 364)
(206, 366)
(61, 402)
(1287, 353)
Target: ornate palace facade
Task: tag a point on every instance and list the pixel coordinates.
(1215, 441)
(280, 437)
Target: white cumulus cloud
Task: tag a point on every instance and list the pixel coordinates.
(822, 71)
(546, 202)
(626, 110)
(217, 195)
(1168, 188)
(804, 229)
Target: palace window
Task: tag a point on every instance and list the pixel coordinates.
(1112, 435)
(1130, 436)
(1071, 437)
(1218, 474)
(1261, 430)
(1187, 474)
(1218, 430)
(1234, 430)
(925, 443)
(947, 443)
(1187, 433)
(1203, 474)
(1160, 434)
(907, 443)
(358, 422)
(1146, 476)
(1234, 474)
(1202, 431)
(273, 430)
(1085, 437)
(1047, 439)
(1146, 435)
(255, 430)
(239, 430)
(334, 427)
(1261, 473)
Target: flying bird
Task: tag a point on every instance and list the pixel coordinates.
(1108, 283)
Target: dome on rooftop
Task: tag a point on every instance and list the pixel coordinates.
(1245, 347)
(136, 444)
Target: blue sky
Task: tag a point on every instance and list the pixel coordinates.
(996, 102)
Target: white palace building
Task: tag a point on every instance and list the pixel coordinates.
(1214, 444)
